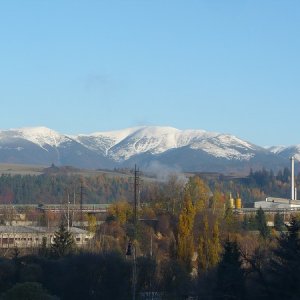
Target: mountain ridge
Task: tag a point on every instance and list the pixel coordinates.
(190, 150)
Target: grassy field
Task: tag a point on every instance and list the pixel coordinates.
(18, 169)
(14, 169)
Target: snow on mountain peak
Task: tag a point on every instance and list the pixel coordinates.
(102, 141)
(122, 144)
(155, 140)
(40, 135)
(116, 135)
(276, 149)
(293, 150)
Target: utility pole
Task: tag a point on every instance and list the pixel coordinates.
(136, 206)
(68, 212)
(81, 204)
(136, 198)
(74, 203)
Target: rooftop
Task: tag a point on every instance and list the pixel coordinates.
(33, 229)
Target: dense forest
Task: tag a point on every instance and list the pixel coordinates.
(256, 186)
(103, 188)
(20, 189)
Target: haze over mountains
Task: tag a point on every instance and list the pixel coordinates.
(184, 150)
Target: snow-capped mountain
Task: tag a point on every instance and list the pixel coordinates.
(102, 142)
(40, 145)
(189, 150)
(40, 136)
(287, 152)
(122, 145)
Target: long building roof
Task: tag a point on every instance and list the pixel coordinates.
(38, 230)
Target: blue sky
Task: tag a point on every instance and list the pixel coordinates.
(85, 66)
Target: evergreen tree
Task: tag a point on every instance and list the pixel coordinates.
(245, 223)
(63, 242)
(261, 223)
(286, 175)
(285, 266)
(230, 275)
(279, 221)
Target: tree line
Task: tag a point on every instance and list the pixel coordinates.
(103, 188)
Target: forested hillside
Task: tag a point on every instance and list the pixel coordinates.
(55, 189)
(256, 186)
(103, 188)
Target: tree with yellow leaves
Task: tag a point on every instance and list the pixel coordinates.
(185, 231)
(200, 193)
(121, 211)
(209, 247)
(92, 223)
(203, 247)
(215, 245)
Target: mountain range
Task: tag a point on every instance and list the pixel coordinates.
(147, 146)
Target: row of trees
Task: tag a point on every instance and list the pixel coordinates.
(102, 188)
(256, 186)
(50, 188)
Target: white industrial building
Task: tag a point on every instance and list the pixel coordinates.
(282, 203)
(277, 203)
(32, 237)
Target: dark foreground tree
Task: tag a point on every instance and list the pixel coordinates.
(63, 242)
(279, 221)
(261, 222)
(146, 279)
(285, 266)
(27, 291)
(90, 277)
(230, 275)
(175, 279)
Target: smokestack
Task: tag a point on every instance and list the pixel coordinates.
(292, 178)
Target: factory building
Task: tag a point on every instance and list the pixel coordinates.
(282, 203)
(33, 237)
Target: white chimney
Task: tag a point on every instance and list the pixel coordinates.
(292, 178)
